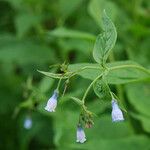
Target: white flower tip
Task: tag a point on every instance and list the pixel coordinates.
(49, 109)
(117, 115)
(117, 119)
(81, 141)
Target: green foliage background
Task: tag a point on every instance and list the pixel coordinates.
(35, 34)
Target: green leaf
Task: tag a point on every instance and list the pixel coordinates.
(25, 21)
(104, 134)
(119, 73)
(102, 90)
(45, 84)
(105, 41)
(140, 54)
(68, 33)
(24, 51)
(128, 143)
(145, 121)
(125, 72)
(79, 46)
(96, 8)
(52, 75)
(86, 70)
(138, 96)
(66, 8)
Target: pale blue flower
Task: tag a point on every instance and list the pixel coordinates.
(27, 123)
(117, 114)
(81, 138)
(52, 102)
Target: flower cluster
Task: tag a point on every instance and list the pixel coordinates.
(86, 117)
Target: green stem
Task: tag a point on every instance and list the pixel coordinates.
(58, 85)
(89, 87)
(111, 94)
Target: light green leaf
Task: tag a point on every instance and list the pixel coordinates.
(25, 21)
(66, 7)
(86, 70)
(119, 73)
(125, 72)
(145, 121)
(141, 54)
(45, 84)
(93, 106)
(101, 89)
(52, 75)
(24, 51)
(105, 41)
(96, 8)
(138, 95)
(80, 46)
(128, 143)
(68, 33)
(107, 135)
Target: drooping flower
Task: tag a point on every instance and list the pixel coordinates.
(28, 123)
(116, 114)
(52, 102)
(89, 124)
(81, 138)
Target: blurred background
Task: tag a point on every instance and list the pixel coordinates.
(35, 34)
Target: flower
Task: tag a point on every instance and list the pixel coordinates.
(81, 138)
(27, 123)
(52, 102)
(116, 114)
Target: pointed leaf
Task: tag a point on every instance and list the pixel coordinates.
(105, 41)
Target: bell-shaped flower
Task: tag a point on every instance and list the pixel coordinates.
(81, 138)
(52, 102)
(27, 122)
(116, 114)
